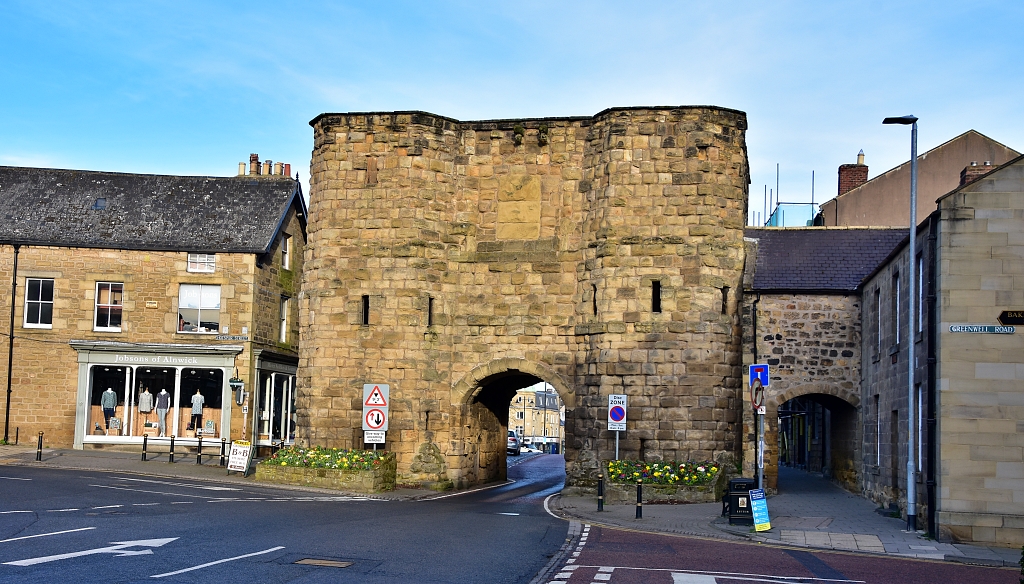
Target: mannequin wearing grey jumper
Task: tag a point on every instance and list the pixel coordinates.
(108, 401)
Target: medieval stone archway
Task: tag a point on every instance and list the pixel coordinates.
(814, 427)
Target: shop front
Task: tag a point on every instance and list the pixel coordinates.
(275, 398)
(127, 391)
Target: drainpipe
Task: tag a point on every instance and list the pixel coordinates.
(759, 419)
(10, 346)
(932, 423)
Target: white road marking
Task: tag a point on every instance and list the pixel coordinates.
(182, 502)
(548, 509)
(709, 577)
(678, 578)
(46, 534)
(151, 492)
(14, 479)
(117, 548)
(460, 493)
(108, 507)
(208, 564)
(190, 485)
(8, 512)
(61, 510)
(144, 504)
(512, 514)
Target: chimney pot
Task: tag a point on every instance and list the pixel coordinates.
(988, 163)
(254, 164)
(860, 157)
(288, 170)
(278, 167)
(266, 168)
(241, 169)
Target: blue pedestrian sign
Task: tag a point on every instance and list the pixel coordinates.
(759, 507)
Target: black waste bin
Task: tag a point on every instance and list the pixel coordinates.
(738, 500)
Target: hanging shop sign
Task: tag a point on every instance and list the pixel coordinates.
(1011, 317)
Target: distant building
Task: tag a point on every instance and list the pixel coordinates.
(128, 285)
(538, 418)
(885, 200)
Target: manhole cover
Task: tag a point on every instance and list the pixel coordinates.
(324, 563)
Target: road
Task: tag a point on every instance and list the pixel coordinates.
(92, 526)
(613, 556)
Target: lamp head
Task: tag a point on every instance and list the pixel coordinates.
(902, 120)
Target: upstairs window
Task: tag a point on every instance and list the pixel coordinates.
(283, 320)
(109, 304)
(38, 303)
(198, 308)
(286, 252)
(203, 263)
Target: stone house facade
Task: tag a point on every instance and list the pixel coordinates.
(131, 284)
(969, 376)
(462, 261)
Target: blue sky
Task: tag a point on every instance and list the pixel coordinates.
(194, 87)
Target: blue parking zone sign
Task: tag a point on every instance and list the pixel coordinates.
(759, 508)
(759, 372)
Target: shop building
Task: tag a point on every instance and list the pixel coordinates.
(130, 295)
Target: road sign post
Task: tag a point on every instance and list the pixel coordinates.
(617, 417)
(376, 400)
(759, 379)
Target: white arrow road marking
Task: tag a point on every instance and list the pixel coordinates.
(46, 534)
(117, 548)
(208, 564)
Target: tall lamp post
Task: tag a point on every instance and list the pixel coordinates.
(911, 265)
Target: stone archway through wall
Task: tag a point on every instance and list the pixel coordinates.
(482, 400)
(815, 429)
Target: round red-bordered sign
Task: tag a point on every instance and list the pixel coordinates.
(617, 414)
(376, 418)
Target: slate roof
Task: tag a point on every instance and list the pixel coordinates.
(819, 259)
(111, 210)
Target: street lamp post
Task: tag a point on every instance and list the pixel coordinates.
(911, 265)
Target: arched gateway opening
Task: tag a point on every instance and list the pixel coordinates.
(484, 398)
(818, 433)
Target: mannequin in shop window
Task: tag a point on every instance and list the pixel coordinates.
(145, 403)
(197, 411)
(108, 401)
(163, 403)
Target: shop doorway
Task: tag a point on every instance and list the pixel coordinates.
(276, 409)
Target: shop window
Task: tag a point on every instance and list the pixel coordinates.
(286, 252)
(38, 303)
(109, 304)
(203, 263)
(209, 385)
(198, 308)
(283, 320)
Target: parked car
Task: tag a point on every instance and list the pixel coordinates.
(514, 445)
(529, 449)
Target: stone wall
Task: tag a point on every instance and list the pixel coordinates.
(811, 343)
(537, 243)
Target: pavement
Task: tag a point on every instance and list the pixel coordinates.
(809, 511)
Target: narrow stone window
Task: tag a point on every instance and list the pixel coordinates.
(366, 309)
(895, 297)
(725, 299)
(430, 311)
(656, 296)
(878, 321)
(371, 170)
(593, 297)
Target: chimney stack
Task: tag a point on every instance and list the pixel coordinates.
(254, 164)
(852, 176)
(266, 168)
(241, 169)
(278, 167)
(971, 172)
(288, 170)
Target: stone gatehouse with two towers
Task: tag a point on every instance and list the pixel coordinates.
(461, 261)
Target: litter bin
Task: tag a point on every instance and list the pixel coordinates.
(738, 501)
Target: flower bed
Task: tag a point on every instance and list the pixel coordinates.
(663, 482)
(361, 471)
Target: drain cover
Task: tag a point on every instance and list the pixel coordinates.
(324, 563)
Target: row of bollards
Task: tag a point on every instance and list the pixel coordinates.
(639, 496)
(170, 453)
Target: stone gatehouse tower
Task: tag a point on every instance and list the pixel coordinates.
(460, 261)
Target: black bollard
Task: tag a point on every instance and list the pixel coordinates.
(16, 431)
(145, 444)
(639, 499)
(600, 492)
(170, 456)
(199, 452)
(223, 444)
(39, 448)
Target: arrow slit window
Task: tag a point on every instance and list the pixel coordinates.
(656, 296)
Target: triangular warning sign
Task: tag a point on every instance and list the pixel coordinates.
(376, 398)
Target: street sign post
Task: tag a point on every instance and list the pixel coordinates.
(759, 379)
(376, 400)
(617, 417)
